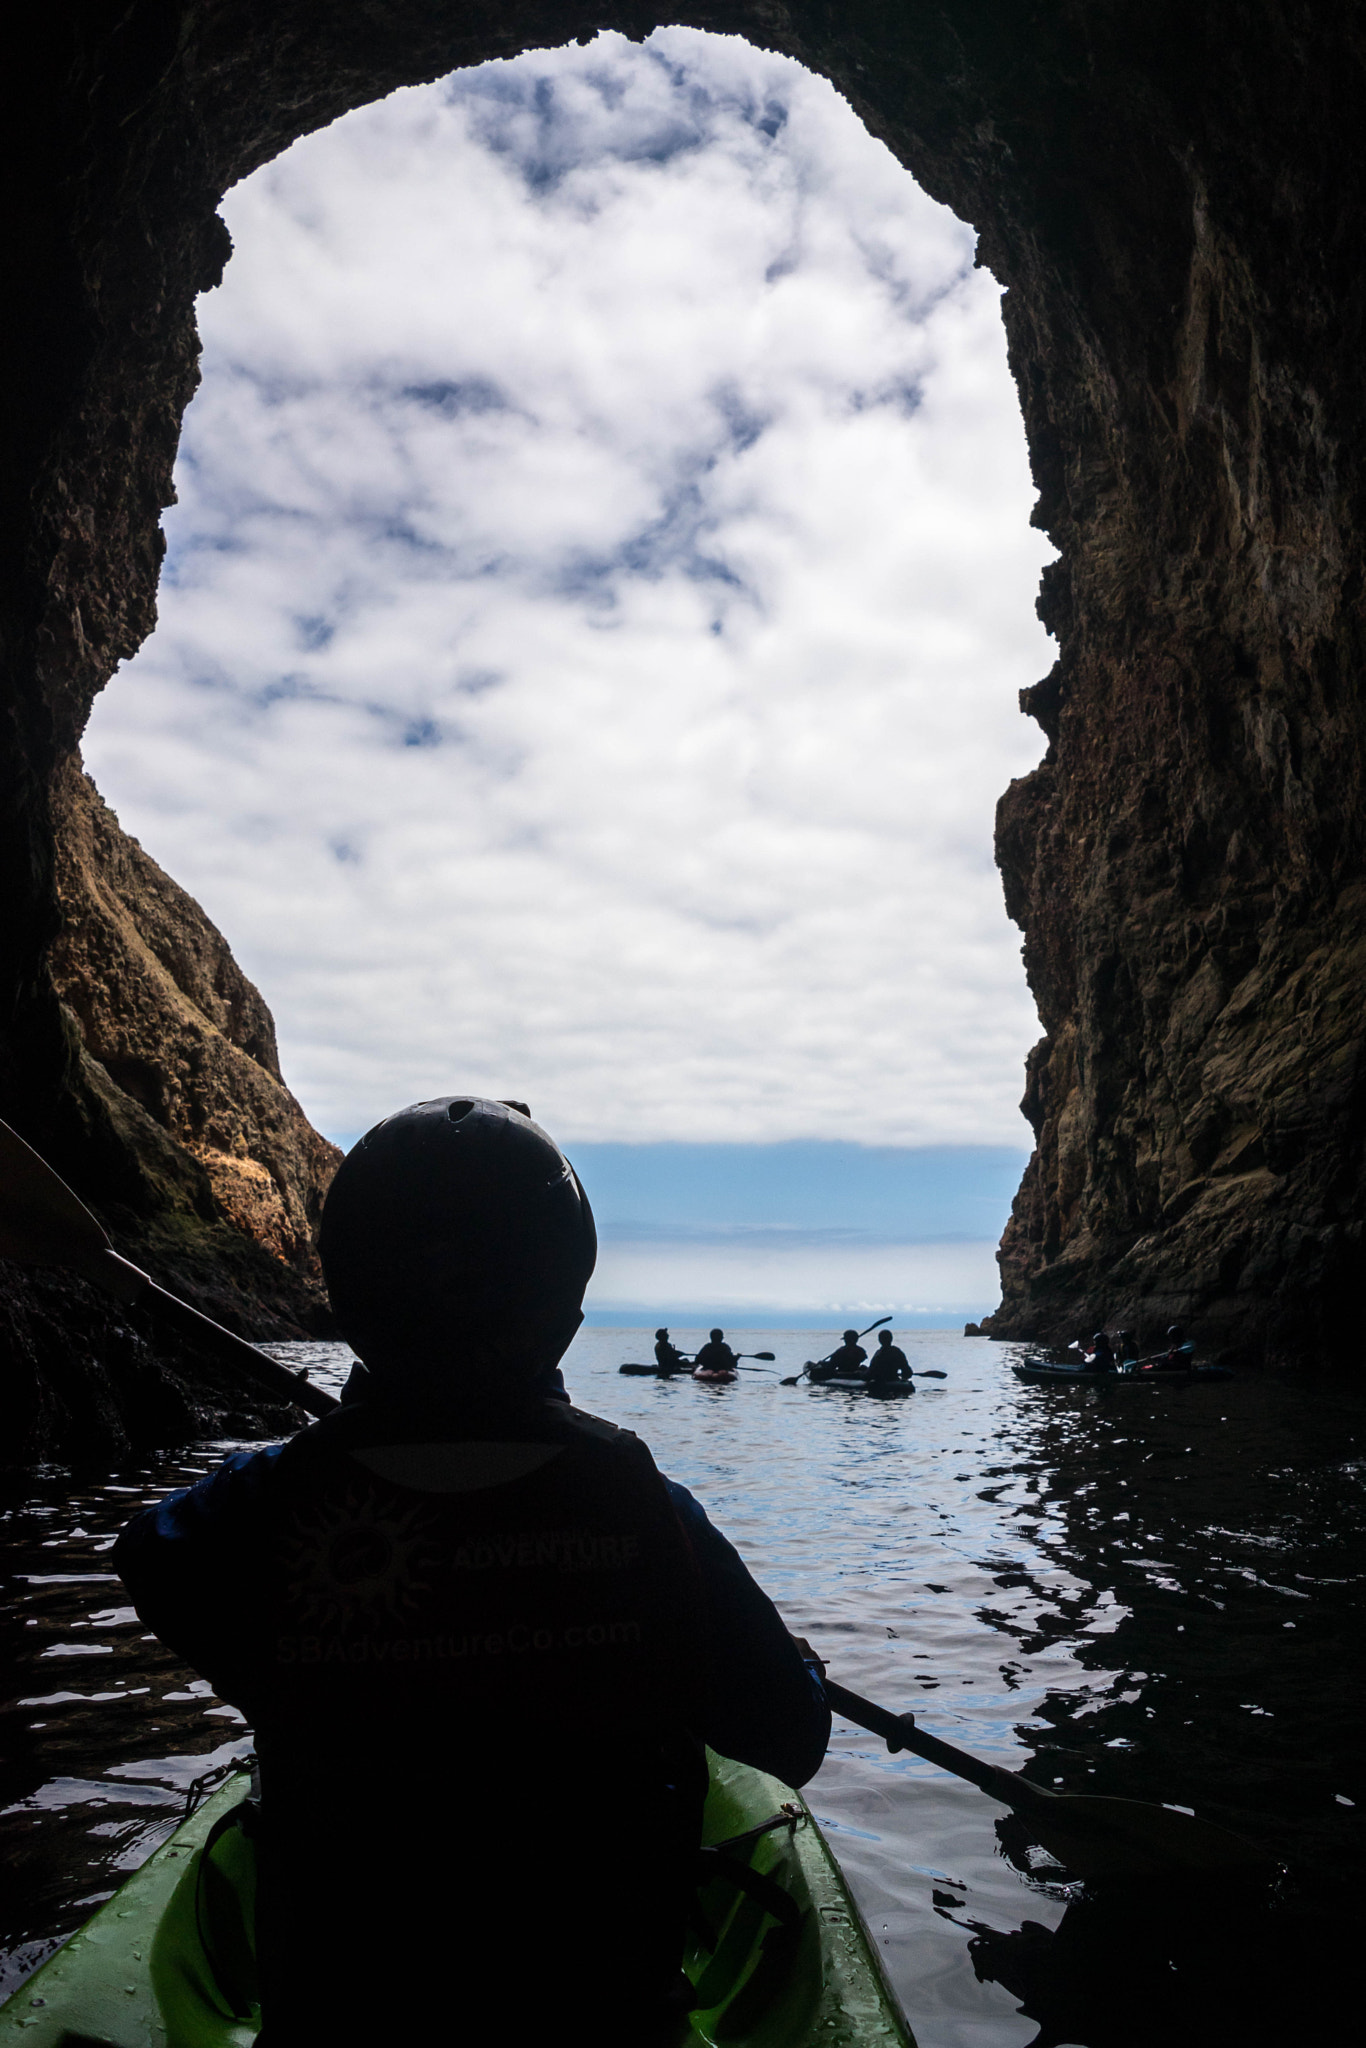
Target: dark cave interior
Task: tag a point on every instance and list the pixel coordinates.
(1171, 197)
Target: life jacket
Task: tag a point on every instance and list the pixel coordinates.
(473, 1705)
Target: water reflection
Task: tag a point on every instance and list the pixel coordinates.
(1153, 1593)
(1126, 1969)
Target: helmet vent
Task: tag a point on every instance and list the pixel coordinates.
(456, 1110)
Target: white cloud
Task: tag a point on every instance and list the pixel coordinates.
(595, 610)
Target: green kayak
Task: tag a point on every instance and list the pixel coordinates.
(780, 1956)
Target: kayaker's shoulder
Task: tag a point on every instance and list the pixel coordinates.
(596, 1428)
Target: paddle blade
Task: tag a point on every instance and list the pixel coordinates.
(1090, 1834)
(41, 1222)
(795, 1381)
(1099, 1837)
(930, 1372)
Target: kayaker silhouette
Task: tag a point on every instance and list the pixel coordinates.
(715, 1356)
(889, 1365)
(479, 1637)
(667, 1355)
(845, 1363)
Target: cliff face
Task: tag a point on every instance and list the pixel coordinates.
(1172, 197)
(182, 1040)
(1187, 865)
(217, 1179)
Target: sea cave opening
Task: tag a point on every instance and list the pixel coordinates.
(591, 632)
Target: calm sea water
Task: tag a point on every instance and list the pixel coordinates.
(1155, 1593)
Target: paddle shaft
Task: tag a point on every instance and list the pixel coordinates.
(1095, 1835)
(862, 1333)
(43, 1222)
(286, 1385)
(899, 1731)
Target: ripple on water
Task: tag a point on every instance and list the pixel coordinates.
(1152, 1593)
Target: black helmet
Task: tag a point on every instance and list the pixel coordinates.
(661, 1333)
(1099, 1337)
(851, 1336)
(1176, 1333)
(456, 1234)
(884, 1336)
(717, 1335)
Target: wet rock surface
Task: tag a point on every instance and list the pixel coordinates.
(1172, 198)
(89, 1381)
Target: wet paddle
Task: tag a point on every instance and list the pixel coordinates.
(1090, 1834)
(42, 1223)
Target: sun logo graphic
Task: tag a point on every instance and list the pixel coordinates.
(357, 1560)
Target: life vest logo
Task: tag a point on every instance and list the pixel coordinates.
(357, 1559)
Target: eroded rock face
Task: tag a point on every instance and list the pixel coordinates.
(180, 1032)
(218, 1176)
(1172, 196)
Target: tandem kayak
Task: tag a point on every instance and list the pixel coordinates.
(779, 1956)
(1038, 1372)
(667, 1372)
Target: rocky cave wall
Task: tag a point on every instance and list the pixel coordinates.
(1171, 196)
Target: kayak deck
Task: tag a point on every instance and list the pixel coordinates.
(780, 1956)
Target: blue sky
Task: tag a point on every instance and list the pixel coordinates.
(590, 641)
(797, 1233)
(879, 1194)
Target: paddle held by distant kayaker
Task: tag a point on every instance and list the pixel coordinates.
(479, 1638)
(715, 1357)
(889, 1365)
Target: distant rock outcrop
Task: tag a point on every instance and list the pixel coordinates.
(1172, 196)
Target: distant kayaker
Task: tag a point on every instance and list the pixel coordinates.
(845, 1363)
(848, 1362)
(479, 1639)
(1176, 1357)
(716, 1355)
(889, 1364)
(1102, 1354)
(667, 1355)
